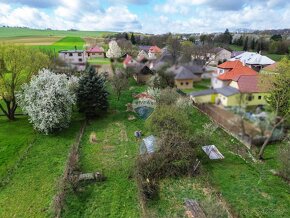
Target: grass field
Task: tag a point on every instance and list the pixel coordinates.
(66, 43)
(12, 148)
(31, 41)
(99, 61)
(26, 32)
(114, 155)
(246, 186)
(33, 184)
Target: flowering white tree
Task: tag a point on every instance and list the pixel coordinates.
(114, 51)
(48, 100)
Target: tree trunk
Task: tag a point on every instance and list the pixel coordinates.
(261, 153)
(10, 109)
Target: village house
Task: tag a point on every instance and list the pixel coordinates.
(183, 77)
(220, 55)
(227, 71)
(142, 56)
(75, 57)
(254, 60)
(244, 91)
(95, 52)
(129, 61)
(154, 52)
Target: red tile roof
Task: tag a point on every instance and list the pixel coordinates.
(127, 59)
(230, 64)
(250, 84)
(236, 72)
(154, 49)
(95, 49)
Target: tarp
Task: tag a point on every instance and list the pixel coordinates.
(148, 145)
(212, 152)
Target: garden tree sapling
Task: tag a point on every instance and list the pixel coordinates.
(119, 83)
(48, 100)
(279, 97)
(17, 65)
(92, 96)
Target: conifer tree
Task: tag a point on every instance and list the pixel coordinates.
(92, 96)
(133, 40)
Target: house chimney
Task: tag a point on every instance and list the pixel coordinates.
(244, 64)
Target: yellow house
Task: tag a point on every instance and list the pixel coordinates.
(204, 96)
(242, 91)
(184, 78)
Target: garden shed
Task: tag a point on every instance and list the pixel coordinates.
(148, 145)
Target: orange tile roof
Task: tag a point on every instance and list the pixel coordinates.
(236, 72)
(154, 49)
(230, 64)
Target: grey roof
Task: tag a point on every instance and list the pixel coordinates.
(203, 92)
(236, 53)
(183, 73)
(144, 47)
(195, 68)
(227, 91)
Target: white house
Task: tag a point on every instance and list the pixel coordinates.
(254, 60)
(73, 56)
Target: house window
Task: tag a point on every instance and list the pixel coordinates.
(70, 54)
(187, 83)
(259, 97)
(250, 97)
(80, 59)
(181, 83)
(79, 54)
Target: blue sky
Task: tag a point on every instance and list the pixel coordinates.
(147, 16)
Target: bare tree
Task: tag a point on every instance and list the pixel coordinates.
(119, 83)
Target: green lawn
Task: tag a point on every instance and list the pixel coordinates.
(99, 61)
(198, 86)
(114, 155)
(17, 32)
(13, 141)
(33, 184)
(66, 43)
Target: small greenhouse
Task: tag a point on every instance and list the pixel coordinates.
(148, 145)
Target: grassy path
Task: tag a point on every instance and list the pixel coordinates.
(33, 185)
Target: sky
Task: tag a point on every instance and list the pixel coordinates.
(147, 16)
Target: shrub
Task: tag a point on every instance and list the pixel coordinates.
(92, 96)
(167, 119)
(48, 100)
(168, 96)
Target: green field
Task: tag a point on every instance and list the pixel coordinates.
(33, 184)
(66, 43)
(198, 86)
(26, 32)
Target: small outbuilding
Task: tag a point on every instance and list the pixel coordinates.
(148, 145)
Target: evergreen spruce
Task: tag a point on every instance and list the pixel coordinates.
(92, 96)
(246, 44)
(133, 40)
